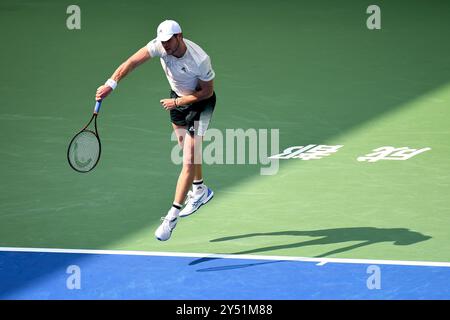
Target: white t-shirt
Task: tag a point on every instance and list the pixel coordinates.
(183, 73)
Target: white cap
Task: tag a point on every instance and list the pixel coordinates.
(167, 29)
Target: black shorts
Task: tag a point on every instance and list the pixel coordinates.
(196, 116)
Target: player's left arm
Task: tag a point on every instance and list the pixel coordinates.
(205, 90)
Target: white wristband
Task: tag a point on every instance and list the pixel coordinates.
(111, 83)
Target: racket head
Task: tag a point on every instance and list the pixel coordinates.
(84, 151)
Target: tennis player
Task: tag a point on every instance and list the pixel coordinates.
(191, 104)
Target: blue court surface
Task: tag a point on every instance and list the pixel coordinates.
(90, 274)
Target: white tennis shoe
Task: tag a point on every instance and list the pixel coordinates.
(164, 231)
(195, 201)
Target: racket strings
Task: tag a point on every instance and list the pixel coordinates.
(84, 151)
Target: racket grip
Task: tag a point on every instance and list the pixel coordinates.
(98, 104)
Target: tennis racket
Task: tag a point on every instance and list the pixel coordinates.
(85, 148)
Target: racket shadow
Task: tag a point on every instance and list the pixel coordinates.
(237, 266)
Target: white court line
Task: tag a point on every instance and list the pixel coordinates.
(319, 261)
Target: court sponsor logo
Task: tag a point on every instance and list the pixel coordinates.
(374, 20)
(309, 152)
(316, 152)
(234, 146)
(74, 280)
(374, 281)
(253, 146)
(73, 21)
(391, 153)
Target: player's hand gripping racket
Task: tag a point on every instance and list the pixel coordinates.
(85, 148)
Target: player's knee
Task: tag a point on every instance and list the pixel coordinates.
(188, 158)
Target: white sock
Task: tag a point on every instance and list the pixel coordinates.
(198, 186)
(174, 210)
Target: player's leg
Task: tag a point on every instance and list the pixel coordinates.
(191, 161)
(180, 132)
(198, 172)
(190, 148)
(184, 183)
(196, 121)
(200, 193)
(197, 184)
(169, 222)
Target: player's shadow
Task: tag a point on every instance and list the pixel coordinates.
(364, 235)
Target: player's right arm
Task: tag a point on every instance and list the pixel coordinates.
(129, 65)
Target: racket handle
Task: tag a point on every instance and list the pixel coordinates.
(98, 104)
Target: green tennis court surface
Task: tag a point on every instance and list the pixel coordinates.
(310, 69)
